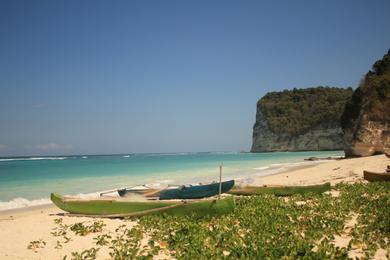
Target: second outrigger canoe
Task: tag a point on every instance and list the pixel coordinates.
(376, 176)
(183, 192)
(113, 208)
(280, 190)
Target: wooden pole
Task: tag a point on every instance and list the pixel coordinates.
(220, 180)
(110, 191)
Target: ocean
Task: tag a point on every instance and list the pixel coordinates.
(28, 181)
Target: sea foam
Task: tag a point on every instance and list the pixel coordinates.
(22, 203)
(32, 159)
(18, 203)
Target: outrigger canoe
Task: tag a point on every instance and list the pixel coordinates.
(121, 208)
(376, 176)
(182, 192)
(280, 190)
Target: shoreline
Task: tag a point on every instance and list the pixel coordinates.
(10, 214)
(240, 178)
(241, 175)
(346, 170)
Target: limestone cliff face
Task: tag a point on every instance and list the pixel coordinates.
(367, 138)
(323, 136)
(300, 120)
(366, 120)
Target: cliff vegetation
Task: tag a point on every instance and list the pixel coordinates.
(295, 111)
(373, 94)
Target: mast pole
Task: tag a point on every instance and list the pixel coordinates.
(220, 180)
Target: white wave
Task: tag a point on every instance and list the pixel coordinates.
(262, 168)
(166, 154)
(22, 203)
(84, 157)
(191, 153)
(48, 158)
(17, 203)
(278, 164)
(32, 159)
(173, 154)
(126, 156)
(226, 152)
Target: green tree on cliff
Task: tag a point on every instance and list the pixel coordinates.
(373, 95)
(295, 111)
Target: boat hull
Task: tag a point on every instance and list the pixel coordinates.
(117, 208)
(280, 190)
(196, 192)
(376, 176)
(105, 207)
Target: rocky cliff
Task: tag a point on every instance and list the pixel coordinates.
(366, 120)
(300, 120)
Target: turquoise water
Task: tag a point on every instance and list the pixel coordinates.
(29, 181)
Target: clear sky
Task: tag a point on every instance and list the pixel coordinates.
(98, 77)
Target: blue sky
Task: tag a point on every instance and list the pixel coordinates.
(92, 77)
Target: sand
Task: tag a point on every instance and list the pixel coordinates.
(19, 227)
(345, 170)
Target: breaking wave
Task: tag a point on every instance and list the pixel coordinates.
(22, 203)
(32, 159)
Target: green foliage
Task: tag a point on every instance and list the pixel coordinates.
(82, 230)
(58, 245)
(61, 228)
(373, 209)
(372, 96)
(261, 227)
(36, 244)
(89, 254)
(127, 243)
(295, 111)
(272, 227)
(102, 240)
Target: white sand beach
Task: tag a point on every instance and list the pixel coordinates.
(345, 170)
